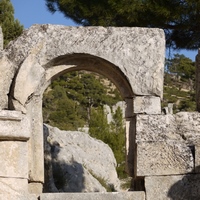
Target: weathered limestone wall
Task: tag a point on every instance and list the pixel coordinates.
(14, 134)
(168, 155)
(131, 57)
(162, 151)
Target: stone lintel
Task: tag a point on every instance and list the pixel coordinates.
(163, 158)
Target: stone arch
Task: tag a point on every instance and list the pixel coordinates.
(132, 58)
(33, 101)
(141, 64)
(75, 62)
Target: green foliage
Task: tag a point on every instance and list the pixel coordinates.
(179, 18)
(67, 103)
(60, 111)
(112, 134)
(126, 183)
(11, 28)
(99, 127)
(109, 188)
(187, 105)
(181, 66)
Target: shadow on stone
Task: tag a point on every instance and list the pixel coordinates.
(60, 176)
(187, 188)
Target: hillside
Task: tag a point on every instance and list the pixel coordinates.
(179, 84)
(180, 93)
(68, 102)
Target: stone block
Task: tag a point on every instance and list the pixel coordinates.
(182, 187)
(163, 158)
(147, 105)
(96, 196)
(188, 125)
(14, 159)
(150, 128)
(13, 125)
(13, 186)
(183, 126)
(35, 188)
(10, 115)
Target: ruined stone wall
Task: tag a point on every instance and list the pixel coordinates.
(162, 151)
(168, 155)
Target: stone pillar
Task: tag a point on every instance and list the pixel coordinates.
(35, 146)
(197, 83)
(13, 153)
(139, 105)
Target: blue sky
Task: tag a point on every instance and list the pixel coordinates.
(30, 12)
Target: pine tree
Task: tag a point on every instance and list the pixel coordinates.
(99, 127)
(10, 26)
(181, 66)
(118, 141)
(112, 134)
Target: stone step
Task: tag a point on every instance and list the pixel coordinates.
(94, 196)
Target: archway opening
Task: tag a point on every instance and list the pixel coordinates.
(88, 102)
